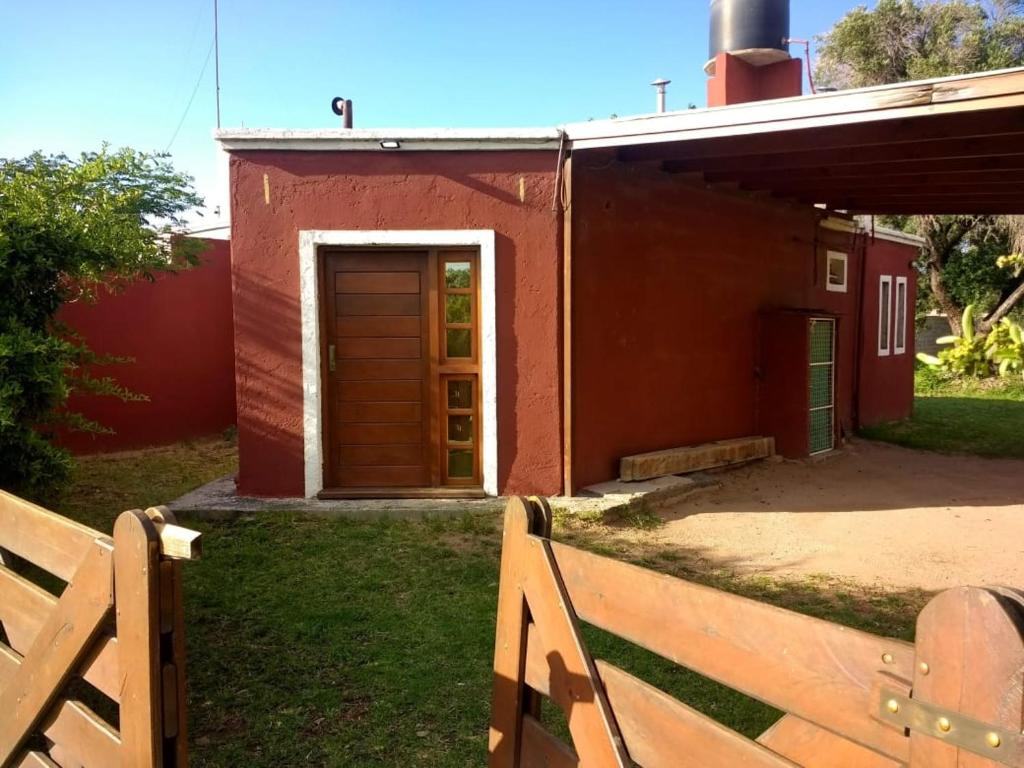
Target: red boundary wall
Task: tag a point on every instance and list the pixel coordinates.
(178, 330)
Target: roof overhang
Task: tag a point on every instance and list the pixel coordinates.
(951, 145)
(370, 140)
(868, 225)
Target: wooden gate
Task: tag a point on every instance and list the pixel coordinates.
(113, 640)
(954, 699)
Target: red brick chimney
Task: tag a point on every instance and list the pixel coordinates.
(734, 80)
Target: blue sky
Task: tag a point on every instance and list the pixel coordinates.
(75, 73)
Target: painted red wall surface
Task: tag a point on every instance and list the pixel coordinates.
(178, 330)
(887, 382)
(401, 190)
(783, 362)
(668, 283)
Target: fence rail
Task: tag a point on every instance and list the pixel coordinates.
(954, 698)
(117, 625)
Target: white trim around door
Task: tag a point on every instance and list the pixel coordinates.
(310, 240)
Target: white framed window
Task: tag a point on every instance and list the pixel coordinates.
(836, 272)
(899, 341)
(884, 315)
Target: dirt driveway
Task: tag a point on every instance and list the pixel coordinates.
(874, 513)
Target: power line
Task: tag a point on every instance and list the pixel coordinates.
(191, 98)
(188, 52)
(216, 58)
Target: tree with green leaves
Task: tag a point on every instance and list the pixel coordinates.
(67, 227)
(966, 259)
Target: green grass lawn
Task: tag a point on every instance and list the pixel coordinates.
(985, 418)
(333, 643)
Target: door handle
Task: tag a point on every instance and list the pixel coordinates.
(330, 357)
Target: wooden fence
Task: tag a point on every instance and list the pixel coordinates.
(953, 699)
(112, 641)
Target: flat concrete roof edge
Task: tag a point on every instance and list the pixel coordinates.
(863, 224)
(370, 139)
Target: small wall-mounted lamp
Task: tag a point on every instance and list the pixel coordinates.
(391, 144)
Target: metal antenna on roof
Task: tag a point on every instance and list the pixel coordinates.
(216, 57)
(660, 84)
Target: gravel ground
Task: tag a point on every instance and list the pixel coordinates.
(872, 513)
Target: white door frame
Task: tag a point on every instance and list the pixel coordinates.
(310, 241)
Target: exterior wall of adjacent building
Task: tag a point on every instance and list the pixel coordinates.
(277, 194)
(178, 333)
(887, 380)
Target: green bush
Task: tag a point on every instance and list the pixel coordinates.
(67, 227)
(979, 356)
(1004, 346)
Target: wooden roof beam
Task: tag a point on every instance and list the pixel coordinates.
(802, 157)
(838, 135)
(958, 169)
(883, 188)
(962, 208)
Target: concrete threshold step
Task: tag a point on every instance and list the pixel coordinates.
(694, 458)
(646, 497)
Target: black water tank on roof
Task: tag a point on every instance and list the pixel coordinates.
(742, 25)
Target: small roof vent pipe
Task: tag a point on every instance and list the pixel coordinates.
(660, 84)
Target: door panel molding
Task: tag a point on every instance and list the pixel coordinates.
(310, 242)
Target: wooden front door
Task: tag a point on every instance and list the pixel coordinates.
(401, 333)
(377, 329)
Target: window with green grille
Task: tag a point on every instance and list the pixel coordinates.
(821, 385)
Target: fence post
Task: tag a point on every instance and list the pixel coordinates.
(969, 660)
(137, 600)
(172, 652)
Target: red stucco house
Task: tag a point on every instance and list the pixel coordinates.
(512, 311)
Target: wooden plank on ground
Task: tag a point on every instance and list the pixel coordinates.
(809, 746)
(52, 542)
(694, 458)
(822, 672)
(57, 650)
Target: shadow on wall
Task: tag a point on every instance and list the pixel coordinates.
(508, 372)
(268, 376)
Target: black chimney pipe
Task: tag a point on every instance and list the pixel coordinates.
(342, 108)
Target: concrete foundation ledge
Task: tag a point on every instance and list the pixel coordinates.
(217, 501)
(618, 498)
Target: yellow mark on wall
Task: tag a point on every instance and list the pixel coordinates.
(266, 189)
(522, 189)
